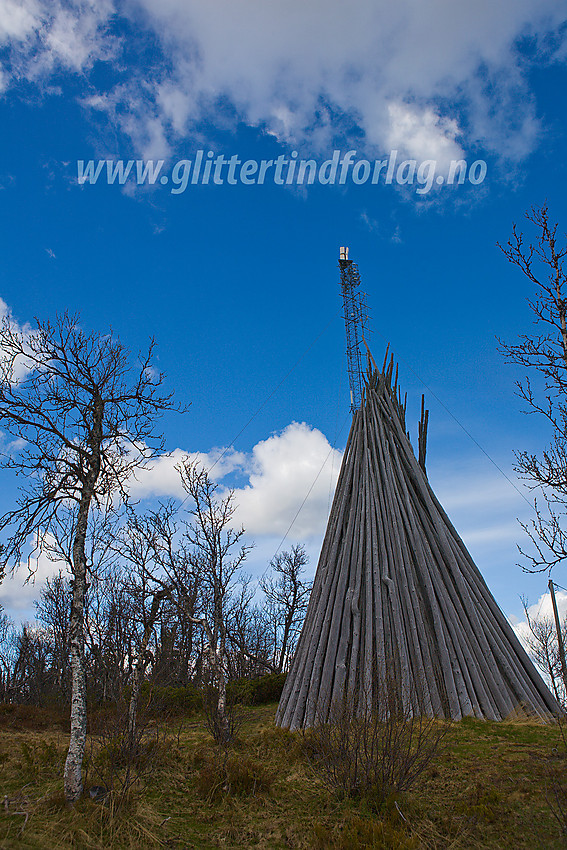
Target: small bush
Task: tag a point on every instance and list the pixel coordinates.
(360, 832)
(172, 701)
(238, 775)
(41, 760)
(260, 691)
(374, 751)
(224, 726)
(33, 717)
(274, 739)
(118, 760)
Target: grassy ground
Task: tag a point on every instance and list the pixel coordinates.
(487, 789)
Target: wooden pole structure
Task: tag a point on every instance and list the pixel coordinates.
(396, 593)
(397, 596)
(560, 643)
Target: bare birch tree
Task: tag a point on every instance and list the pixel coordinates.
(250, 628)
(6, 656)
(287, 596)
(140, 544)
(87, 417)
(52, 610)
(544, 649)
(544, 387)
(215, 555)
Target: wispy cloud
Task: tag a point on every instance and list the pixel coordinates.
(484, 507)
(42, 38)
(430, 81)
(19, 366)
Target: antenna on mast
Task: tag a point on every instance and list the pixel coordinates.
(355, 316)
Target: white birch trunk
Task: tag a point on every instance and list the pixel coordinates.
(140, 666)
(72, 778)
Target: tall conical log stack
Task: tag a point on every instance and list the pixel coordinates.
(397, 594)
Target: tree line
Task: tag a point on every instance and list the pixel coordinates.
(135, 630)
(148, 594)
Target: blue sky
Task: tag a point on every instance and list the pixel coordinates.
(239, 282)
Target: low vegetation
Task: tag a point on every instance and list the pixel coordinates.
(490, 785)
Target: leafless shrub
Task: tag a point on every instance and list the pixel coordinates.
(223, 774)
(224, 724)
(557, 781)
(374, 747)
(120, 757)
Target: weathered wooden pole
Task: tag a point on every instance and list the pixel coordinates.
(560, 643)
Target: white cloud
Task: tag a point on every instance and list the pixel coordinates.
(415, 131)
(161, 478)
(20, 368)
(72, 39)
(430, 79)
(281, 470)
(542, 610)
(18, 590)
(18, 19)
(289, 468)
(45, 37)
(295, 465)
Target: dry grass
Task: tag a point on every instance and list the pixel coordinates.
(486, 790)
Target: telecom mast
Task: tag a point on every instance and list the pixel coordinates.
(355, 315)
